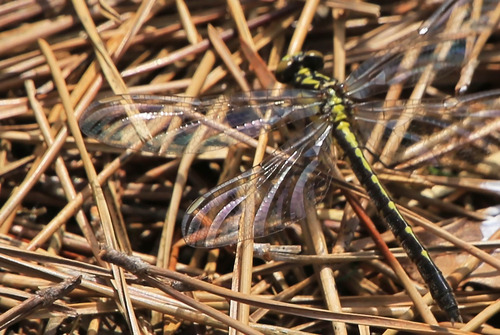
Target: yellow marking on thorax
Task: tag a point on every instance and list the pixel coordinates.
(339, 116)
(306, 78)
(322, 76)
(339, 110)
(309, 81)
(337, 101)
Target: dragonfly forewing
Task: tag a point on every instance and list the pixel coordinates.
(169, 122)
(441, 50)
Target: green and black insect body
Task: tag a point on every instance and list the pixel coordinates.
(305, 66)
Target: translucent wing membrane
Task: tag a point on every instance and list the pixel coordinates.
(166, 124)
(456, 124)
(441, 51)
(276, 187)
(375, 75)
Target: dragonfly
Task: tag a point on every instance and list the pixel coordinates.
(329, 112)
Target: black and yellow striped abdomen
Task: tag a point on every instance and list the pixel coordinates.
(438, 286)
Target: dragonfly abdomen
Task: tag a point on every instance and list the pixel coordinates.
(438, 286)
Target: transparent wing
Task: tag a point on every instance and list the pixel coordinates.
(374, 76)
(166, 124)
(431, 131)
(441, 51)
(278, 187)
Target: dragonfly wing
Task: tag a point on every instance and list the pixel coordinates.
(375, 75)
(441, 51)
(466, 129)
(423, 126)
(166, 124)
(125, 121)
(278, 187)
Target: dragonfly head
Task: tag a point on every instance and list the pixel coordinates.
(301, 70)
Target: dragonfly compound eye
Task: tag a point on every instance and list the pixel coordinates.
(287, 69)
(313, 60)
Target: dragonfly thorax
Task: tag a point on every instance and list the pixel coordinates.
(302, 71)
